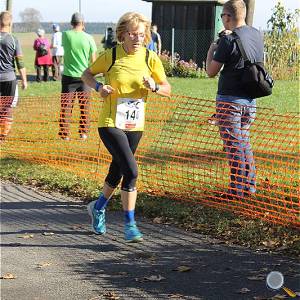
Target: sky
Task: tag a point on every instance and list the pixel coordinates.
(111, 10)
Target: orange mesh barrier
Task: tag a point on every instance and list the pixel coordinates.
(181, 154)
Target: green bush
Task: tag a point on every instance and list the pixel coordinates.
(181, 68)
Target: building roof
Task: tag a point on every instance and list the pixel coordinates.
(204, 1)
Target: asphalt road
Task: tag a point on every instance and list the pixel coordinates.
(47, 246)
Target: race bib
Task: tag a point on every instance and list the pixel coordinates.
(130, 113)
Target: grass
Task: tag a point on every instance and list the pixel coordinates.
(225, 225)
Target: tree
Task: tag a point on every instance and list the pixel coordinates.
(31, 18)
(281, 41)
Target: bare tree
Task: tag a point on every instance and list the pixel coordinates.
(250, 4)
(31, 18)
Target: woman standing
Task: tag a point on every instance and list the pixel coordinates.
(131, 73)
(43, 56)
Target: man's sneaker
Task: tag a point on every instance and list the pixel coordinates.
(98, 218)
(132, 234)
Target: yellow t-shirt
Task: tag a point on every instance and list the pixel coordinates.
(126, 77)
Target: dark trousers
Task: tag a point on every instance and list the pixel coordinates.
(122, 146)
(7, 93)
(39, 73)
(72, 87)
(56, 67)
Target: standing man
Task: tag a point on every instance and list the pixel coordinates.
(155, 43)
(10, 54)
(79, 52)
(235, 109)
(57, 52)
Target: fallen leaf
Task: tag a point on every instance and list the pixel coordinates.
(153, 278)
(111, 296)
(183, 269)
(243, 291)
(278, 297)
(8, 276)
(157, 220)
(175, 296)
(48, 233)
(26, 236)
(42, 265)
(256, 278)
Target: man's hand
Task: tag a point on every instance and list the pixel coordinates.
(24, 85)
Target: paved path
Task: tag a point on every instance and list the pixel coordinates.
(47, 245)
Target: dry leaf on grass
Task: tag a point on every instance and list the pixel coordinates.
(8, 276)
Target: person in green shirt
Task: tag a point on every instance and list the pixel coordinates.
(79, 52)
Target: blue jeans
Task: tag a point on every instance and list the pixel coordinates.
(235, 116)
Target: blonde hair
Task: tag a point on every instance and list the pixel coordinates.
(236, 8)
(133, 19)
(5, 18)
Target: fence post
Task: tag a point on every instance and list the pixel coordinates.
(172, 51)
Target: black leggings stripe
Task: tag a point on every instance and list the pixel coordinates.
(122, 146)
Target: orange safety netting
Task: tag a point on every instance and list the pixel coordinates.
(181, 154)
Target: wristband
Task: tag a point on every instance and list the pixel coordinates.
(156, 88)
(98, 86)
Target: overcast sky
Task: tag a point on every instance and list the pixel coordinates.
(111, 10)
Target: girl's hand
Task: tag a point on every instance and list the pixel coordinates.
(149, 83)
(106, 90)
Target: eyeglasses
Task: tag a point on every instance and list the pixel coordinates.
(223, 14)
(134, 35)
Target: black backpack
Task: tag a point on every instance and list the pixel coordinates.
(256, 81)
(42, 50)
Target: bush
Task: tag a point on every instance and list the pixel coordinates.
(181, 68)
(166, 60)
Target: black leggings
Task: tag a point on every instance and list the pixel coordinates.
(121, 145)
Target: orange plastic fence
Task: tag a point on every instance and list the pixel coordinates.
(181, 155)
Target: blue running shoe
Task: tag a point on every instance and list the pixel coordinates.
(132, 234)
(98, 218)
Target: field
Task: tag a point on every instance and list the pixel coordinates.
(285, 97)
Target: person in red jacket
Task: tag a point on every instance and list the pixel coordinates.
(43, 58)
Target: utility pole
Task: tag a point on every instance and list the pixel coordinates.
(80, 6)
(250, 4)
(8, 5)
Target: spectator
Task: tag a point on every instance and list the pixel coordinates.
(135, 73)
(79, 51)
(43, 58)
(155, 43)
(57, 52)
(108, 40)
(10, 54)
(235, 109)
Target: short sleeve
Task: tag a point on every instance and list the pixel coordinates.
(156, 67)
(100, 65)
(224, 50)
(93, 45)
(18, 49)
